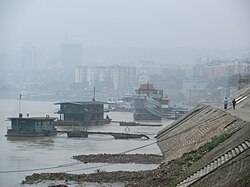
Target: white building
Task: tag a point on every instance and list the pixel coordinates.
(115, 77)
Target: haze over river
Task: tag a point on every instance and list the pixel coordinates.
(54, 154)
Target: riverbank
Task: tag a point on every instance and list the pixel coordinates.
(164, 175)
(120, 158)
(156, 177)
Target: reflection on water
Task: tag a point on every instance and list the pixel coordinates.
(30, 154)
(46, 141)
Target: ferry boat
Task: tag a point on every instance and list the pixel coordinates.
(149, 103)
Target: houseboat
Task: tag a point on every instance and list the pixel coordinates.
(81, 113)
(31, 126)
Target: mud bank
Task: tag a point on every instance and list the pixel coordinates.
(120, 158)
(156, 177)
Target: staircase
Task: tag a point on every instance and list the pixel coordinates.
(216, 163)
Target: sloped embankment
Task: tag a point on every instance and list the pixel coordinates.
(228, 164)
(194, 130)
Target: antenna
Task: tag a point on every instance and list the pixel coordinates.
(94, 94)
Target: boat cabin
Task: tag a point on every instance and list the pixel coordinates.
(81, 113)
(147, 89)
(32, 126)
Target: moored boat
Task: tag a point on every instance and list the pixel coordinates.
(132, 123)
(31, 126)
(81, 113)
(78, 134)
(149, 103)
(128, 136)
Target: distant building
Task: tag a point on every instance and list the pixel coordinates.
(29, 57)
(71, 54)
(194, 90)
(110, 77)
(2, 68)
(211, 69)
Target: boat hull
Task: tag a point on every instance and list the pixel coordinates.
(78, 134)
(11, 133)
(79, 123)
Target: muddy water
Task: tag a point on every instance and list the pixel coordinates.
(20, 157)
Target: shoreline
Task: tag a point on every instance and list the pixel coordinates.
(120, 158)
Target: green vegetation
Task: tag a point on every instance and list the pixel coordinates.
(192, 156)
(215, 141)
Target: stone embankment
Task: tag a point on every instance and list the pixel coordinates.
(227, 164)
(195, 129)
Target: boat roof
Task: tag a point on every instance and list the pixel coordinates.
(146, 87)
(34, 118)
(165, 98)
(82, 102)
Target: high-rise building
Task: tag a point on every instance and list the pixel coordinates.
(2, 67)
(112, 77)
(71, 55)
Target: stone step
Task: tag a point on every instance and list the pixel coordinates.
(241, 148)
(237, 150)
(230, 155)
(205, 169)
(233, 152)
(194, 176)
(248, 143)
(216, 163)
(226, 156)
(223, 160)
(244, 145)
(212, 166)
(219, 161)
(185, 183)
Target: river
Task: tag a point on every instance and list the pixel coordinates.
(24, 156)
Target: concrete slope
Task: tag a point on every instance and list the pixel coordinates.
(226, 165)
(195, 129)
(225, 156)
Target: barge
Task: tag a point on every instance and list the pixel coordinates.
(81, 113)
(31, 126)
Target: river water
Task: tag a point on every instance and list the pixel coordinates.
(20, 157)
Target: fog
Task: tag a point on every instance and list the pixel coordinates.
(60, 49)
(206, 24)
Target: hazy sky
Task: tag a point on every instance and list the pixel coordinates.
(220, 24)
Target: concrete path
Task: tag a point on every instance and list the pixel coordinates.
(243, 114)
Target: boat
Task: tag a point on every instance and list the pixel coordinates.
(132, 123)
(31, 126)
(149, 103)
(175, 113)
(78, 134)
(128, 136)
(80, 113)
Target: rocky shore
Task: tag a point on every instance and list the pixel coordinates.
(165, 175)
(161, 176)
(120, 158)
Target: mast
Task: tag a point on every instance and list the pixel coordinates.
(19, 107)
